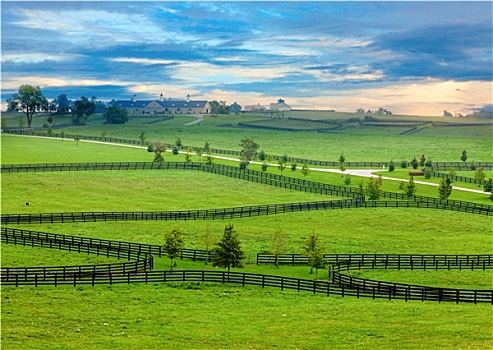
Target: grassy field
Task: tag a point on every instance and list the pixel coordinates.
(357, 144)
(208, 316)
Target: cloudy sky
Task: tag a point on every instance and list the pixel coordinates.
(409, 57)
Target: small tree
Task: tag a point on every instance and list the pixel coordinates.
(444, 188)
(188, 156)
(208, 241)
(264, 166)
(422, 160)
(199, 151)
(488, 186)
(207, 146)
(281, 165)
(452, 172)
(158, 148)
(228, 252)
(463, 157)
(347, 180)
(342, 159)
(209, 159)
(178, 142)
(428, 173)
(77, 139)
(391, 166)
(175, 151)
(173, 244)
(414, 163)
(142, 137)
(479, 175)
(278, 243)
(305, 170)
(248, 150)
(262, 155)
(293, 166)
(409, 189)
(372, 189)
(313, 249)
(404, 164)
(342, 168)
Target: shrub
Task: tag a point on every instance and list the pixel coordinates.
(175, 151)
(404, 164)
(391, 165)
(416, 172)
(293, 166)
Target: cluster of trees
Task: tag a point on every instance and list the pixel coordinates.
(30, 100)
(485, 114)
(227, 252)
(380, 110)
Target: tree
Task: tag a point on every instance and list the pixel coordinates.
(479, 174)
(264, 166)
(116, 115)
(29, 100)
(422, 160)
(305, 170)
(262, 156)
(293, 166)
(347, 180)
(281, 165)
(218, 108)
(342, 168)
(248, 150)
(414, 163)
(188, 156)
(83, 108)
(278, 243)
(173, 244)
(342, 159)
(313, 249)
(463, 157)
(391, 166)
(158, 148)
(62, 104)
(207, 146)
(208, 240)
(488, 186)
(409, 188)
(235, 108)
(178, 142)
(444, 188)
(209, 159)
(228, 252)
(142, 137)
(372, 189)
(77, 139)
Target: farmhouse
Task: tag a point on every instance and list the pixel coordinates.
(280, 106)
(163, 106)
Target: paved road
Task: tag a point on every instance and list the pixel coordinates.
(354, 172)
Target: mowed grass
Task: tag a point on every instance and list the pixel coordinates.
(222, 132)
(208, 316)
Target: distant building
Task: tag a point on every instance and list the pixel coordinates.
(280, 106)
(163, 106)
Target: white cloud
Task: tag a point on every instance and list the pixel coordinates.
(36, 57)
(143, 61)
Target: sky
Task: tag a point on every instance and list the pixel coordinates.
(417, 58)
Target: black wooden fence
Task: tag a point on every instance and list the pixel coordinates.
(465, 179)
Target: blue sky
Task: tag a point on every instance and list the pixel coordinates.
(409, 57)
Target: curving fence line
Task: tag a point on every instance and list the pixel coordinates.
(337, 284)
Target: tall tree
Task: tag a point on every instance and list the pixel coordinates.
(29, 100)
(479, 174)
(83, 108)
(248, 150)
(228, 252)
(62, 104)
(312, 247)
(444, 188)
(173, 244)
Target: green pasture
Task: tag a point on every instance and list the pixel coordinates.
(358, 144)
(210, 316)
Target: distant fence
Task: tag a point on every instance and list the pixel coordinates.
(465, 179)
(387, 261)
(438, 165)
